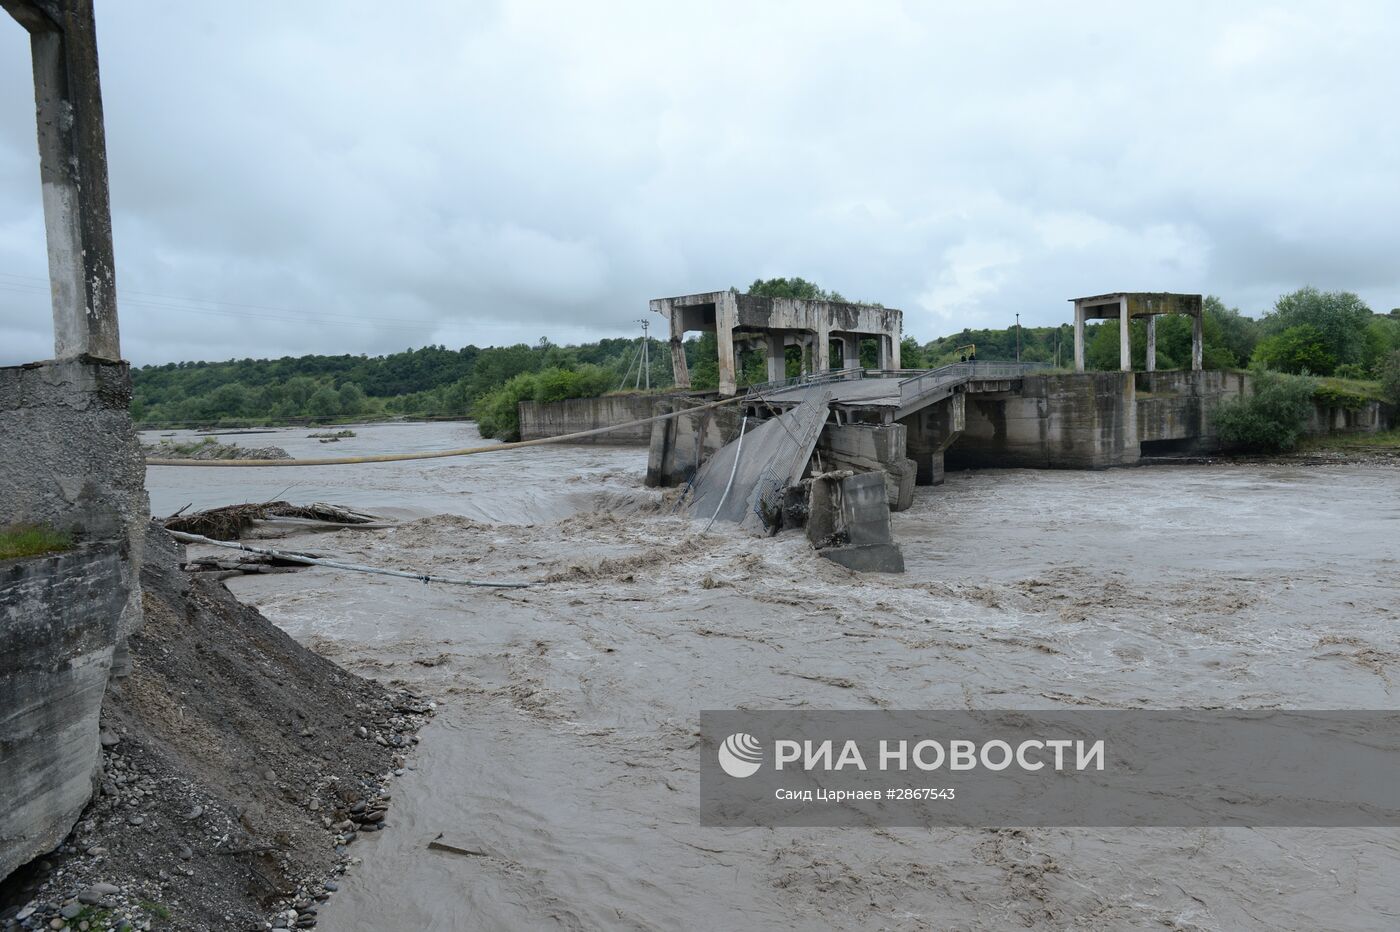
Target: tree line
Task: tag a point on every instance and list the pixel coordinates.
(1306, 332)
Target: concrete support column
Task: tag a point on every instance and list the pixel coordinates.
(822, 361)
(680, 370)
(73, 170)
(777, 362)
(887, 359)
(1125, 337)
(850, 350)
(726, 319)
(894, 349)
(1078, 338)
(1197, 342)
(1152, 343)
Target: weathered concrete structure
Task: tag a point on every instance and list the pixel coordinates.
(59, 615)
(69, 459)
(848, 522)
(1123, 307)
(680, 445)
(885, 431)
(555, 418)
(774, 324)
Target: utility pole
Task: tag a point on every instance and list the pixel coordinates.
(646, 352)
(1018, 337)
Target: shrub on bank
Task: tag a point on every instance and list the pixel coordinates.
(1272, 418)
(497, 412)
(1334, 395)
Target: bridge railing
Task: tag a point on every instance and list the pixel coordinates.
(912, 382)
(932, 379)
(818, 378)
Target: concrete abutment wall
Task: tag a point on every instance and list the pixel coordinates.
(1068, 421)
(58, 620)
(69, 459)
(554, 418)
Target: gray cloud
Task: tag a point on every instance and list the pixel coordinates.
(341, 177)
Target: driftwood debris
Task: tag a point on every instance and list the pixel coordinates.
(228, 567)
(453, 847)
(234, 521)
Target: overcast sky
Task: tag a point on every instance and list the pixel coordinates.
(346, 177)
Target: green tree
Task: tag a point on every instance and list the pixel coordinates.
(1339, 316)
(1390, 377)
(911, 354)
(1382, 338)
(792, 288)
(351, 399)
(323, 403)
(1299, 349)
(1234, 332)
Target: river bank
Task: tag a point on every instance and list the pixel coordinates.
(564, 750)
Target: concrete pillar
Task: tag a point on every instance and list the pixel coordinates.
(1152, 343)
(850, 349)
(887, 360)
(822, 362)
(777, 362)
(1125, 337)
(894, 349)
(1197, 342)
(679, 368)
(73, 171)
(726, 319)
(1078, 337)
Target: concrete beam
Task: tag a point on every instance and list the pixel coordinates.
(73, 172)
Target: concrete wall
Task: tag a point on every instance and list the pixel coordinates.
(58, 623)
(69, 457)
(1369, 418)
(1174, 407)
(1067, 421)
(553, 418)
(679, 445)
(869, 448)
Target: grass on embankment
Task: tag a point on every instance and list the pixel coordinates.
(1387, 441)
(30, 540)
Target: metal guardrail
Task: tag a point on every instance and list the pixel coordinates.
(959, 372)
(836, 375)
(912, 382)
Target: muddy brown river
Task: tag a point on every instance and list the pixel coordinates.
(565, 749)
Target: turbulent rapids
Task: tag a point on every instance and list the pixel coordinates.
(564, 754)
